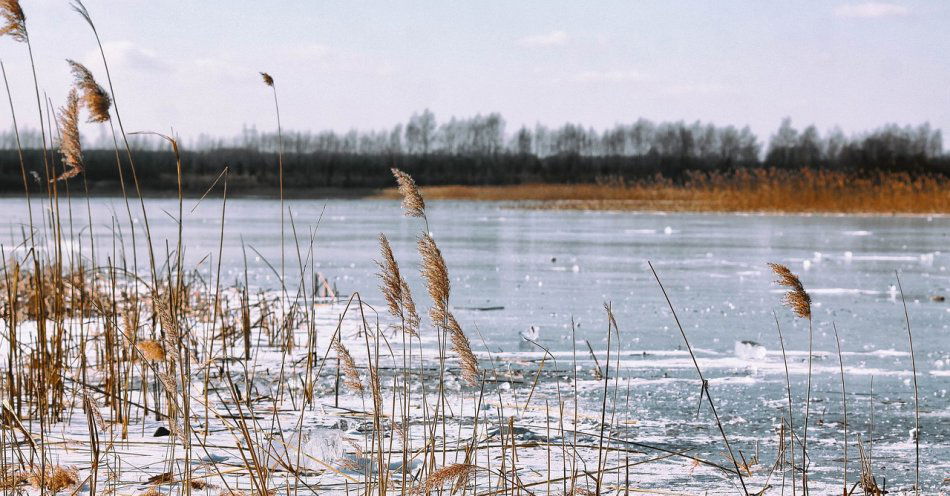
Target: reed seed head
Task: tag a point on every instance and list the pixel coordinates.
(268, 80)
(412, 201)
(463, 348)
(351, 376)
(14, 21)
(93, 408)
(459, 473)
(435, 273)
(170, 326)
(391, 287)
(797, 299)
(395, 290)
(94, 97)
(69, 146)
(411, 316)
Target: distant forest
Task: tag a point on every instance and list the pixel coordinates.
(479, 151)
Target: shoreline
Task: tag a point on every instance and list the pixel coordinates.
(641, 198)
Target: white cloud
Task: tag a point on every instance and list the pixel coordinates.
(554, 38)
(870, 10)
(614, 76)
(128, 56)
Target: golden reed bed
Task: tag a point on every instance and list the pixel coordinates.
(767, 190)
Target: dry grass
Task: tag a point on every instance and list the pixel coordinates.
(94, 96)
(767, 190)
(797, 299)
(69, 146)
(55, 478)
(412, 202)
(14, 22)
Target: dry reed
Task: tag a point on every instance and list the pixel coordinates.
(14, 21)
(458, 474)
(412, 202)
(96, 99)
(54, 478)
(463, 349)
(746, 190)
(436, 276)
(70, 147)
(351, 375)
(797, 299)
(268, 79)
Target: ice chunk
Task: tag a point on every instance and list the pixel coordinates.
(750, 350)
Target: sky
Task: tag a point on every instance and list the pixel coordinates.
(192, 66)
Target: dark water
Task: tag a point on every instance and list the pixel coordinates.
(539, 268)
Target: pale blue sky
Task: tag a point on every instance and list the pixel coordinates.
(193, 65)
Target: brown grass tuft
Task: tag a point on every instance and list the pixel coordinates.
(796, 298)
(14, 21)
(459, 473)
(152, 350)
(57, 478)
(95, 98)
(268, 80)
(351, 376)
(743, 190)
(412, 201)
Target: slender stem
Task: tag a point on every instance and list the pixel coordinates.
(913, 363)
(705, 389)
(844, 406)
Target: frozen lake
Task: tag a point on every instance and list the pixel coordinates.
(514, 268)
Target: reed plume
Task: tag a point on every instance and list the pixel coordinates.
(96, 99)
(797, 299)
(395, 290)
(436, 275)
(14, 21)
(459, 472)
(463, 348)
(391, 280)
(93, 408)
(412, 201)
(350, 374)
(69, 146)
(268, 80)
(170, 326)
(799, 302)
(410, 314)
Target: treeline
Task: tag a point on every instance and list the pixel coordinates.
(478, 150)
